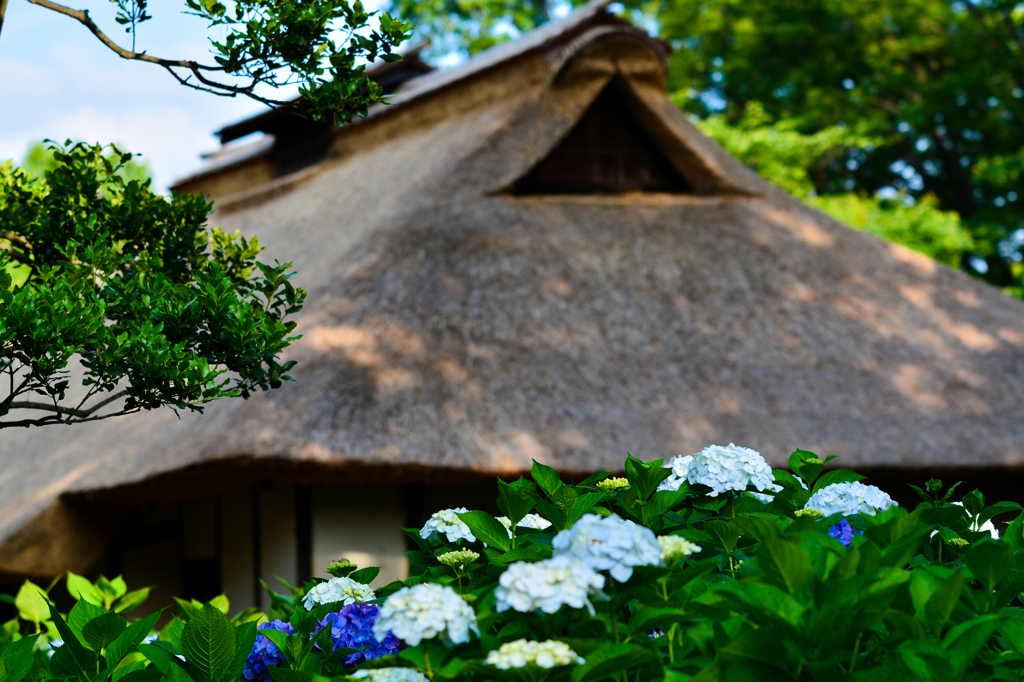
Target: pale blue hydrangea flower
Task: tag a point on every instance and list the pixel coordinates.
(426, 611)
(447, 523)
(547, 585)
(849, 498)
(609, 544)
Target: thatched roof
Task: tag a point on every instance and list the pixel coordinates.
(455, 328)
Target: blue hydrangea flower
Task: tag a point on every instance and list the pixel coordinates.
(265, 653)
(843, 532)
(352, 628)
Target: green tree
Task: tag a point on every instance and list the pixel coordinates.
(921, 100)
(41, 157)
(95, 267)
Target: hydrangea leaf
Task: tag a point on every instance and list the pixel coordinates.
(610, 660)
(512, 503)
(80, 588)
(836, 476)
(131, 600)
(130, 638)
(645, 477)
(31, 603)
(81, 614)
(996, 509)
(786, 564)
(723, 533)
(104, 630)
(17, 658)
(546, 477)
(991, 562)
(208, 643)
(366, 575)
(486, 528)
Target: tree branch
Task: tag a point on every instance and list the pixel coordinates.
(83, 17)
(59, 409)
(55, 419)
(3, 11)
(18, 246)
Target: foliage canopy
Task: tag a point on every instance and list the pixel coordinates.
(157, 310)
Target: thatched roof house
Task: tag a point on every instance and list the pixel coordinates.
(533, 255)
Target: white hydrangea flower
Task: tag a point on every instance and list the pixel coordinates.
(674, 547)
(423, 612)
(521, 653)
(390, 675)
(680, 467)
(730, 468)
(534, 521)
(849, 498)
(547, 585)
(344, 590)
(446, 522)
(609, 544)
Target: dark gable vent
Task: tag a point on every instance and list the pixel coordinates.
(607, 152)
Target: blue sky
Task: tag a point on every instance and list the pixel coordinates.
(58, 81)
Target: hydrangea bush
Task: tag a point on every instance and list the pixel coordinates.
(707, 568)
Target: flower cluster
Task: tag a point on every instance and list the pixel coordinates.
(521, 653)
(730, 468)
(390, 675)
(534, 521)
(458, 558)
(680, 467)
(426, 611)
(812, 513)
(344, 590)
(849, 498)
(265, 653)
(352, 628)
(615, 483)
(843, 532)
(447, 522)
(546, 585)
(674, 548)
(609, 544)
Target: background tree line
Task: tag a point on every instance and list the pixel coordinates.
(902, 119)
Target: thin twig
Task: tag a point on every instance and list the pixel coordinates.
(3, 11)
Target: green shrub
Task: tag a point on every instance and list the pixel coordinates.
(708, 568)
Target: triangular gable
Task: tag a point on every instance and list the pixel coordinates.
(607, 152)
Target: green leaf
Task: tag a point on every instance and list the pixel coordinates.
(784, 563)
(663, 500)
(208, 643)
(802, 467)
(130, 638)
(81, 588)
(647, 619)
(81, 614)
(580, 506)
(645, 478)
(1014, 535)
(170, 665)
(997, 509)
(612, 659)
(365, 575)
(18, 658)
(512, 503)
(221, 603)
(950, 516)
(101, 631)
(836, 476)
(765, 599)
(279, 638)
(245, 638)
(758, 527)
(131, 674)
(31, 603)
(78, 655)
(724, 533)
(487, 529)
(546, 477)
(131, 600)
(990, 561)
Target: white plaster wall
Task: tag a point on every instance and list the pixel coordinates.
(362, 524)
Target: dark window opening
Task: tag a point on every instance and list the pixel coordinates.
(607, 152)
